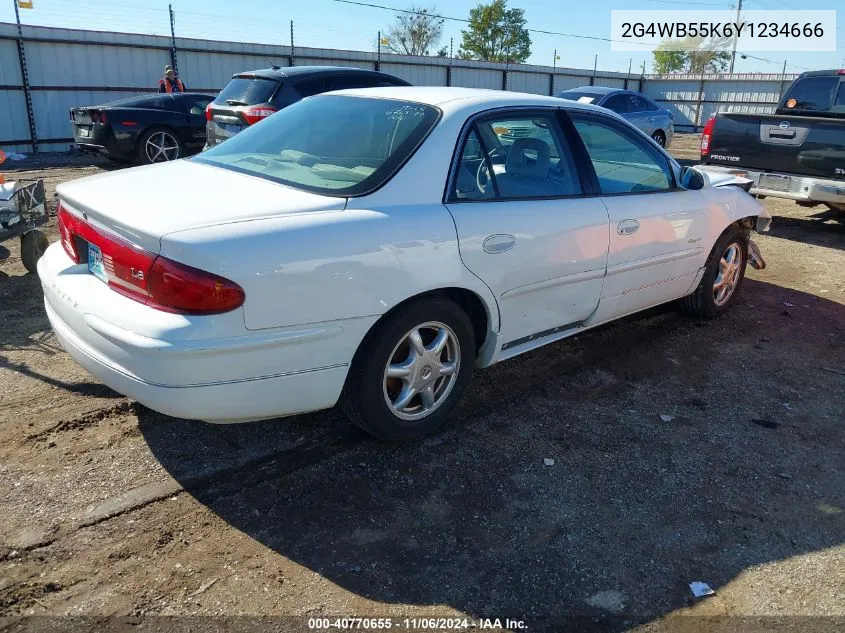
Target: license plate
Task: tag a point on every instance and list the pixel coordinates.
(775, 182)
(95, 262)
(84, 132)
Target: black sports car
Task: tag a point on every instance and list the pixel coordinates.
(146, 129)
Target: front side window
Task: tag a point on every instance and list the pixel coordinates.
(333, 145)
(515, 157)
(623, 163)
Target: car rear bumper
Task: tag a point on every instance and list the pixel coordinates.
(792, 187)
(205, 368)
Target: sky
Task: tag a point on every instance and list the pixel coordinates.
(333, 24)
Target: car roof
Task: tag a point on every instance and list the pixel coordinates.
(599, 90)
(298, 71)
(825, 73)
(448, 98)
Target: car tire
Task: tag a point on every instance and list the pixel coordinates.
(659, 138)
(33, 245)
(725, 268)
(383, 405)
(159, 145)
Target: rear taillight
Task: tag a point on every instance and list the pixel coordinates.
(66, 221)
(151, 279)
(179, 288)
(208, 114)
(706, 134)
(254, 114)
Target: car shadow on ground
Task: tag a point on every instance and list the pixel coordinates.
(824, 227)
(633, 506)
(25, 327)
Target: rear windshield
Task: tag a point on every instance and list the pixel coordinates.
(582, 96)
(248, 91)
(816, 94)
(328, 144)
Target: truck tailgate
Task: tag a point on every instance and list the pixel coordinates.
(810, 146)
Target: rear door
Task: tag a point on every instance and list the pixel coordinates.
(658, 231)
(527, 224)
(229, 109)
(639, 114)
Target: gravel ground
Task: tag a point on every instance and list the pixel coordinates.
(111, 509)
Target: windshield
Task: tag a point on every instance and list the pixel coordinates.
(580, 95)
(334, 145)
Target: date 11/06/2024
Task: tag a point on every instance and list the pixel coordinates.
(416, 624)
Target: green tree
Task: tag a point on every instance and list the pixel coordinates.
(692, 55)
(496, 34)
(666, 62)
(415, 32)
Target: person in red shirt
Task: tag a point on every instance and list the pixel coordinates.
(170, 82)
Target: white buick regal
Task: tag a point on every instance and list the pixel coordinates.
(373, 246)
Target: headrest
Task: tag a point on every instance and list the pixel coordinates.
(522, 149)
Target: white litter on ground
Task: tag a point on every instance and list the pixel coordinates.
(548, 461)
(700, 589)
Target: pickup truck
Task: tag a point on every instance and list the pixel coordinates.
(797, 153)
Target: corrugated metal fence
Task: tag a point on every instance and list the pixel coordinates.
(68, 68)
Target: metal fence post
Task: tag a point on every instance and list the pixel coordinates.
(173, 40)
(697, 121)
(27, 95)
(292, 56)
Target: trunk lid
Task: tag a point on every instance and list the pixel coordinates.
(805, 145)
(142, 204)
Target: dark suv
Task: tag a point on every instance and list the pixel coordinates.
(255, 95)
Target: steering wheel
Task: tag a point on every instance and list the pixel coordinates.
(482, 176)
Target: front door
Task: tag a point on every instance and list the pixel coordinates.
(524, 227)
(658, 231)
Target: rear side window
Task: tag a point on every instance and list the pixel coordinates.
(248, 91)
(310, 87)
(617, 103)
(812, 93)
(518, 157)
(623, 163)
(344, 82)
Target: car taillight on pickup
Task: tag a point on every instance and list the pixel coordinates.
(151, 279)
(706, 134)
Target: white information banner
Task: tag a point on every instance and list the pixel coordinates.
(754, 31)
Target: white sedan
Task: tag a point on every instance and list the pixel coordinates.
(373, 246)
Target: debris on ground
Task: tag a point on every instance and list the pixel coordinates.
(608, 600)
(548, 461)
(767, 424)
(203, 587)
(700, 589)
(665, 417)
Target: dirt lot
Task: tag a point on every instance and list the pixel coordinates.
(111, 509)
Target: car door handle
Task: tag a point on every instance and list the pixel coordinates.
(627, 227)
(651, 119)
(498, 243)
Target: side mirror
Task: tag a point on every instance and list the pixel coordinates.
(691, 179)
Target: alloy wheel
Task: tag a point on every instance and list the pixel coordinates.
(421, 371)
(727, 277)
(161, 147)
